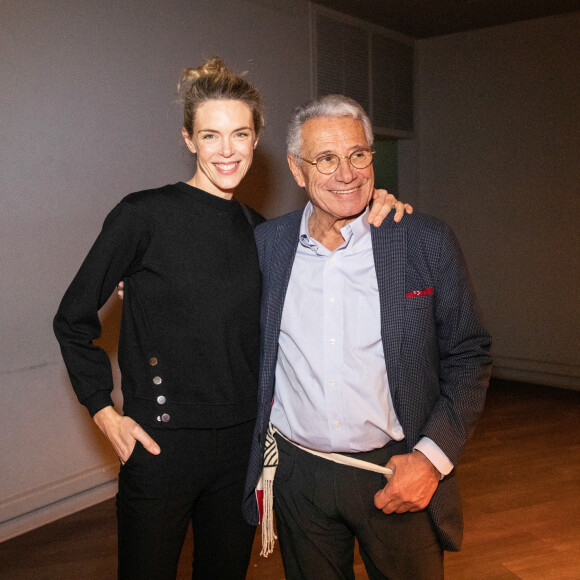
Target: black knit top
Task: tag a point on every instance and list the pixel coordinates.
(189, 344)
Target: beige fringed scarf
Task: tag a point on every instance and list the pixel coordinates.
(266, 483)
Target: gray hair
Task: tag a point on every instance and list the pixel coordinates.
(327, 106)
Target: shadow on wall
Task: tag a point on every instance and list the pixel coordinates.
(258, 187)
(110, 316)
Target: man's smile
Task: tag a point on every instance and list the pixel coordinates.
(344, 191)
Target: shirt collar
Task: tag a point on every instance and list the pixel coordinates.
(357, 234)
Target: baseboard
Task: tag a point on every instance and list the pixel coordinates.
(564, 376)
(38, 507)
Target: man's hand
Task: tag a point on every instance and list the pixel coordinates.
(121, 289)
(383, 203)
(123, 433)
(411, 486)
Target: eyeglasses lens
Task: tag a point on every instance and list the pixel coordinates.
(328, 164)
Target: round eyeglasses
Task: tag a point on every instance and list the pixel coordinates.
(328, 163)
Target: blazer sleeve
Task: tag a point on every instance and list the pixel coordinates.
(119, 247)
(464, 353)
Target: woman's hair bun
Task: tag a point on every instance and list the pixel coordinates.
(214, 66)
(214, 81)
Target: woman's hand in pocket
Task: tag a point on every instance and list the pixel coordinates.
(123, 433)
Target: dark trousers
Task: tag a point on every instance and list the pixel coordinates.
(321, 507)
(198, 477)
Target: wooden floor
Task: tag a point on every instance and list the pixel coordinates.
(520, 481)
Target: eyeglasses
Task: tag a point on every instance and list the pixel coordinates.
(328, 163)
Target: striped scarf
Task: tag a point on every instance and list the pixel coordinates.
(267, 484)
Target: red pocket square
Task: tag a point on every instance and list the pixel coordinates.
(425, 292)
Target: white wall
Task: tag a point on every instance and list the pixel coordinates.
(86, 116)
(497, 157)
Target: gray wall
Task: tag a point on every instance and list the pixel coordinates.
(86, 116)
(497, 157)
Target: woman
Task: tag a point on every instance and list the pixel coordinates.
(189, 344)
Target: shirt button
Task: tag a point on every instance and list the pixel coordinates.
(157, 380)
(161, 400)
(332, 341)
(336, 425)
(165, 418)
(331, 382)
(153, 361)
(332, 260)
(332, 299)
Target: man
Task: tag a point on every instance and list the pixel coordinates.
(372, 348)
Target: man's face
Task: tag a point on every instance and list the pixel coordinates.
(344, 194)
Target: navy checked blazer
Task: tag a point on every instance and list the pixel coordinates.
(436, 348)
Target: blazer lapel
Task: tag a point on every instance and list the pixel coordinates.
(285, 247)
(390, 256)
(281, 261)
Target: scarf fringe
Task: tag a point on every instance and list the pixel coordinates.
(267, 480)
(268, 536)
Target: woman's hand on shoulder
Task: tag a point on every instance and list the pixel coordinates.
(383, 203)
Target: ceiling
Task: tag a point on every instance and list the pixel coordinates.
(428, 18)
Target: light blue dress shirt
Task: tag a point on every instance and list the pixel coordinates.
(332, 390)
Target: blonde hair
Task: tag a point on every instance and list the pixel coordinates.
(214, 81)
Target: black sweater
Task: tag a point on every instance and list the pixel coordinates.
(189, 344)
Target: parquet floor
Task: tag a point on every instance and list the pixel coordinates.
(520, 480)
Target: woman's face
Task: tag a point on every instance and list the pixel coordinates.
(224, 140)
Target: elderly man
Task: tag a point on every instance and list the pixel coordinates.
(372, 348)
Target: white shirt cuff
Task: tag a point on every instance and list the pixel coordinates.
(433, 453)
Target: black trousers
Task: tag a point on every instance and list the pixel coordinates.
(322, 506)
(199, 477)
